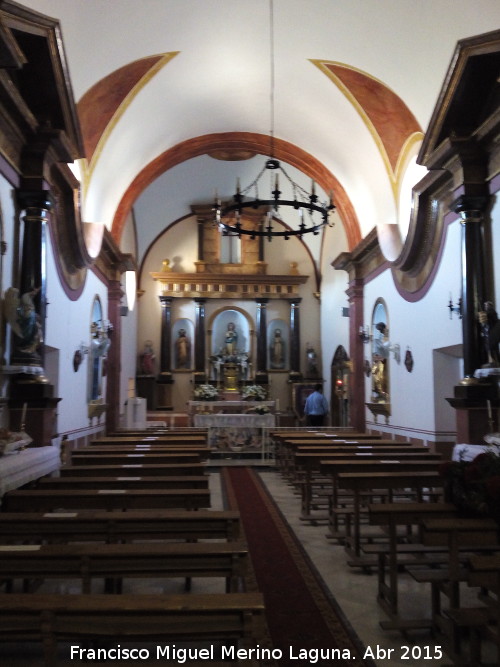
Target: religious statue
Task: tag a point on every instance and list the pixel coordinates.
(24, 320)
(182, 350)
(277, 350)
(490, 325)
(147, 359)
(381, 340)
(379, 378)
(231, 340)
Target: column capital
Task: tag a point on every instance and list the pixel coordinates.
(34, 199)
(470, 207)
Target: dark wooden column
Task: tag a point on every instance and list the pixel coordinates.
(164, 379)
(355, 294)
(199, 342)
(166, 335)
(261, 365)
(30, 386)
(471, 210)
(113, 362)
(295, 373)
(472, 398)
(33, 273)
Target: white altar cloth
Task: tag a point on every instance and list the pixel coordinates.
(27, 465)
(469, 452)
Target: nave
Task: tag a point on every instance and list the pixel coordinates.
(354, 589)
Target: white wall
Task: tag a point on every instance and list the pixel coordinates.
(422, 326)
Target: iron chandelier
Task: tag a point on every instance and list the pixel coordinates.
(313, 215)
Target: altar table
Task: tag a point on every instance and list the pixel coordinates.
(237, 432)
(21, 467)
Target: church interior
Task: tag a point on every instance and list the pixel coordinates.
(250, 242)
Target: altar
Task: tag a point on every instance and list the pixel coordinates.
(235, 432)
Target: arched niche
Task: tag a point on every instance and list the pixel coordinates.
(98, 349)
(278, 345)
(340, 372)
(182, 344)
(380, 403)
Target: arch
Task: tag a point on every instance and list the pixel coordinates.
(235, 142)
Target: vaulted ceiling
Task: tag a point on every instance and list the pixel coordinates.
(174, 99)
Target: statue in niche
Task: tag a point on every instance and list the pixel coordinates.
(231, 345)
(379, 378)
(24, 320)
(490, 325)
(182, 350)
(147, 359)
(277, 350)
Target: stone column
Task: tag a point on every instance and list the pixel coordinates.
(261, 365)
(295, 373)
(199, 342)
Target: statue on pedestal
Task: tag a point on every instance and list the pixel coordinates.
(231, 340)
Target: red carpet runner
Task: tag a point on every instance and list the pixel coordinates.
(300, 612)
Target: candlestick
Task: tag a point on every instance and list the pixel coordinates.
(277, 405)
(490, 416)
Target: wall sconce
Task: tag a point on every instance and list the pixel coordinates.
(78, 356)
(455, 309)
(364, 333)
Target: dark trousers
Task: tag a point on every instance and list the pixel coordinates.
(315, 420)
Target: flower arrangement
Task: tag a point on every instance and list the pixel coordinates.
(206, 392)
(260, 410)
(474, 486)
(254, 392)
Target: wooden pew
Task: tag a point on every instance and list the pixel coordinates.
(141, 469)
(125, 482)
(105, 499)
(151, 458)
(51, 619)
(391, 516)
(288, 466)
(310, 463)
(115, 562)
(201, 450)
(163, 438)
(384, 481)
(459, 536)
(481, 623)
(86, 526)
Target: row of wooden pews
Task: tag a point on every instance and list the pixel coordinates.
(384, 502)
(125, 509)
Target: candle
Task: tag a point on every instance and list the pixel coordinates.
(277, 405)
(490, 416)
(23, 415)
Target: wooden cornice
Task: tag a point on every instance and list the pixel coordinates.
(363, 260)
(228, 286)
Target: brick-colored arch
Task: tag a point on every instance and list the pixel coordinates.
(237, 142)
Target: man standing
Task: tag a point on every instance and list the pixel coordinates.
(316, 407)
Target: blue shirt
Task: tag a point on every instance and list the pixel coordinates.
(316, 404)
